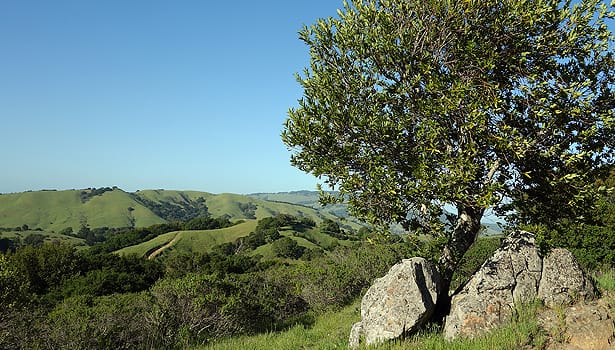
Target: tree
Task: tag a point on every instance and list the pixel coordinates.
(13, 284)
(410, 106)
(287, 247)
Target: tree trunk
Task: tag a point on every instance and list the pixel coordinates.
(464, 234)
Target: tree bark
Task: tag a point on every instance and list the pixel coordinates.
(463, 235)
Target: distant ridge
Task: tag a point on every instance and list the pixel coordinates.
(55, 210)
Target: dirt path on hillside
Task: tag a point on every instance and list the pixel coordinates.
(164, 247)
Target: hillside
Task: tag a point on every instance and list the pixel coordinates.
(203, 241)
(56, 210)
(305, 198)
(190, 241)
(311, 199)
(51, 210)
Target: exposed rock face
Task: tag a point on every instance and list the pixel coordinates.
(562, 279)
(397, 303)
(515, 273)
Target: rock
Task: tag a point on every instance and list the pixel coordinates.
(515, 273)
(397, 303)
(584, 326)
(488, 298)
(355, 335)
(562, 280)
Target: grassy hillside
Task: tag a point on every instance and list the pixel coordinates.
(192, 241)
(113, 207)
(56, 210)
(304, 198)
(202, 241)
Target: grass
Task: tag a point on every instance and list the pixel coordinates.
(57, 210)
(203, 241)
(605, 280)
(193, 241)
(142, 248)
(331, 331)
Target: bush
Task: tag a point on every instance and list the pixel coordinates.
(198, 307)
(286, 247)
(109, 322)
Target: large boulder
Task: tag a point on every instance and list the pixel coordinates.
(562, 280)
(515, 273)
(398, 303)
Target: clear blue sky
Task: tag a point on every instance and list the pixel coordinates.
(150, 93)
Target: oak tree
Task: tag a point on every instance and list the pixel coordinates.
(411, 106)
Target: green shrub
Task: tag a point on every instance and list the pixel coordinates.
(108, 322)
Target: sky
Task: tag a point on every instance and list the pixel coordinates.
(149, 94)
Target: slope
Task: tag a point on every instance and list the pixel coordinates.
(112, 207)
(56, 210)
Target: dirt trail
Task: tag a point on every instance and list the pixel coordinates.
(164, 247)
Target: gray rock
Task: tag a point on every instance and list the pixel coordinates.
(355, 335)
(563, 281)
(398, 303)
(488, 298)
(515, 273)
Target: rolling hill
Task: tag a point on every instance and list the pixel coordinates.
(51, 210)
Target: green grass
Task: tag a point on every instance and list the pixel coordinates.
(57, 210)
(204, 241)
(605, 280)
(142, 248)
(198, 241)
(331, 331)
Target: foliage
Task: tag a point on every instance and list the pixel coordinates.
(54, 271)
(9, 245)
(287, 247)
(335, 280)
(184, 210)
(216, 262)
(207, 223)
(13, 284)
(412, 105)
(593, 242)
(110, 322)
(46, 266)
(106, 274)
(99, 300)
(197, 308)
(93, 192)
(35, 239)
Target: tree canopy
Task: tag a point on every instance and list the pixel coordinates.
(410, 106)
